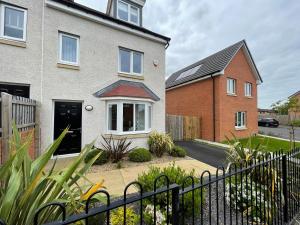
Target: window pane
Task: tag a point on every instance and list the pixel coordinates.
(123, 11)
(128, 117)
(69, 49)
(124, 61)
(137, 62)
(13, 23)
(134, 14)
(150, 117)
(139, 117)
(112, 117)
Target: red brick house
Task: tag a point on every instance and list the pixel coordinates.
(221, 89)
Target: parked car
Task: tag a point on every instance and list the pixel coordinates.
(268, 122)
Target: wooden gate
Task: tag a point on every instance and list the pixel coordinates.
(183, 127)
(25, 113)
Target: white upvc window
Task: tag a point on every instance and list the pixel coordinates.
(130, 62)
(68, 49)
(240, 120)
(231, 86)
(129, 117)
(248, 89)
(128, 12)
(13, 22)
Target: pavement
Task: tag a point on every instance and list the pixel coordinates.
(116, 180)
(209, 154)
(281, 131)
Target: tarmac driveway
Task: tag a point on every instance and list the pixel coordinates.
(281, 131)
(211, 155)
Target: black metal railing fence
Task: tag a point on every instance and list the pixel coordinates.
(266, 191)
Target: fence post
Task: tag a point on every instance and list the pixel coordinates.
(37, 132)
(285, 189)
(6, 118)
(175, 206)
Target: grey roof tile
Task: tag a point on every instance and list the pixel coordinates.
(209, 65)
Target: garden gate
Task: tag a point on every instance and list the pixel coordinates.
(25, 113)
(183, 127)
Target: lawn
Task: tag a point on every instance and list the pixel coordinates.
(269, 144)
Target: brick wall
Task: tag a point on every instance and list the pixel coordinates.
(193, 100)
(240, 70)
(24, 135)
(197, 100)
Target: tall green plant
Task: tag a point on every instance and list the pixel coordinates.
(239, 154)
(26, 184)
(159, 143)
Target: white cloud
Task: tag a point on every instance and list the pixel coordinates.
(199, 28)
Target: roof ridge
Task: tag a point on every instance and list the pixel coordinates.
(213, 54)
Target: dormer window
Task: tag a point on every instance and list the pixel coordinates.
(128, 12)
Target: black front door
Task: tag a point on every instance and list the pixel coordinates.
(68, 114)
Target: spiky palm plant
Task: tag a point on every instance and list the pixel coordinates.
(26, 184)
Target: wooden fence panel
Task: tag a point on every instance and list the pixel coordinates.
(183, 127)
(23, 112)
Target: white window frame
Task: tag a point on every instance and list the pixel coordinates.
(2, 22)
(243, 120)
(131, 62)
(248, 89)
(231, 81)
(120, 104)
(129, 12)
(61, 34)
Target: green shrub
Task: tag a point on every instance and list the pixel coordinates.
(140, 155)
(117, 217)
(159, 143)
(176, 175)
(295, 123)
(177, 151)
(102, 159)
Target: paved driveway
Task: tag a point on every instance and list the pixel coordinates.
(281, 131)
(208, 154)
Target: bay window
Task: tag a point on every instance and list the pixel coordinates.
(240, 120)
(129, 117)
(13, 22)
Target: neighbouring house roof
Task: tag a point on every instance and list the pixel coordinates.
(124, 88)
(295, 94)
(74, 5)
(210, 65)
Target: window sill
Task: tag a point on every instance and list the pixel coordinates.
(132, 76)
(128, 136)
(20, 44)
(249, 97)
(233, 95)
(240, 128)
(67, 66)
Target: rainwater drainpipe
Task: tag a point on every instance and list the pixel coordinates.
(214, 108)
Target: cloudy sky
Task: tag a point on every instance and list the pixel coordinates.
(199, 28)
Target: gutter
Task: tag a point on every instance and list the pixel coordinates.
(196, 80)
(99, 17)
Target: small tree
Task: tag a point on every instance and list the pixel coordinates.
(294, 107)
(288, 107)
